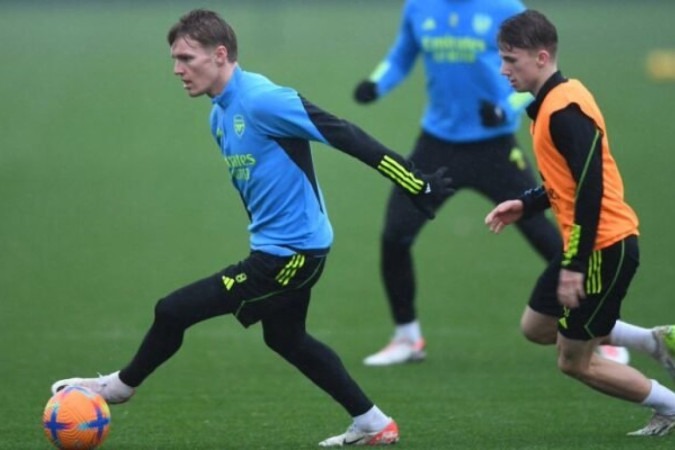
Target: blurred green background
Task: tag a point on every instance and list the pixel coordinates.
(113, 194)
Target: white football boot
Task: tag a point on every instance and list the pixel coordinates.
(659, 425)
(354, 436)
(398, 351)
(110, 387)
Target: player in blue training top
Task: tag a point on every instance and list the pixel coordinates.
(263, 131)
(468, 125)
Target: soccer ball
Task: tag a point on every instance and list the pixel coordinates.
(76, 418)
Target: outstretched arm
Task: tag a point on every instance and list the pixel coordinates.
(425, 190)
(287, 114)
(504, 214)
(395, 67)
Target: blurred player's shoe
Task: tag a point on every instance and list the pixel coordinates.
(354, 436)
(659, 425)
(398, 351)
(620, 355)
(665, 347)
(110, 387)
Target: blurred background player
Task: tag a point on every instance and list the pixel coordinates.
(577, 299)
(468, 126)
(264, 133)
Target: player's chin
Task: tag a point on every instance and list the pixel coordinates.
(193, 91)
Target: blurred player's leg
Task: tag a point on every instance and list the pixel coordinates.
(619, 355)
(403, 223)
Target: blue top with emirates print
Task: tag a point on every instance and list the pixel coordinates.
(457, 40)
(263, 131)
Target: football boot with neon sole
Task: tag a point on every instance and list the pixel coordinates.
(665, 347)
(354, 436)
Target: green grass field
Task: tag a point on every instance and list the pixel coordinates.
(113, 194)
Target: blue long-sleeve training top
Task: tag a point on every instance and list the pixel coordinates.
(458, 43)
(264, 132)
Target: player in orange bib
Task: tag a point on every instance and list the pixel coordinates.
(576, 302)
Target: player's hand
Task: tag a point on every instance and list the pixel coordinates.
(437, 187)
(365, 92)
(571, 288)
(491, 115)
(504, 214)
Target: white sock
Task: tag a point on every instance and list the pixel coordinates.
(409, 331)
(372, 420)
(661, 399)
(636, 338)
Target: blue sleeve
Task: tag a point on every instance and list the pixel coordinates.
(400, 59)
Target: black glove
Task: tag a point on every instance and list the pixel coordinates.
(436, 188)
(491, 115)
(365, 92)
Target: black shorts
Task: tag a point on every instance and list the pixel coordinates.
(495, 167)
(609, 275)
(265, 284)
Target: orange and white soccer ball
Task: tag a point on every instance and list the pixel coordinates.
(76, 418)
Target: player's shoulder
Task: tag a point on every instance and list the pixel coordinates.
(256, 88)
(254, 85)
(261, 95)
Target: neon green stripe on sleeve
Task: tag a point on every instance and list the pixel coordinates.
(573, 246)
(400, 175)
(379, 71)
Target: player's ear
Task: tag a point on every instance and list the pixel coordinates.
(543, 57)
(221, 55)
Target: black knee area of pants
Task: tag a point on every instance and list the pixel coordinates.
(395, 245)
(167, 314)
(395, 256)
(394, 235)
(285, 345)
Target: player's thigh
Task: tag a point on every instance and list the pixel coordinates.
(544, 296)
(507, 174)
(250, 289)
(287, 324)
(610, 272)
(431, 153)
(574, 355)
(403, 220)
(539, 328)
(270, 284)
